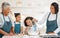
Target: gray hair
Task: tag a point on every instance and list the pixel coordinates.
(4, 5)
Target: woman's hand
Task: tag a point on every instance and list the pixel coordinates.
(51, 33)
(7, 34)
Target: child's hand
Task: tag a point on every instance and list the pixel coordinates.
(35, 20)
(11, 34)
(6, 35)
(20, 34)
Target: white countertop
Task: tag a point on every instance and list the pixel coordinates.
(30, 36)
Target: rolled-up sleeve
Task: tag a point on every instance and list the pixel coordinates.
(57, 30)
(12, 18)
(1, 22)
(58, 23)
(43, 19)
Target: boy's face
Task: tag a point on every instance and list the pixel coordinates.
(29, 22)
(18, 18)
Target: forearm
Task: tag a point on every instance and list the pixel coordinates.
(57, 30)
(26, 31)
(12, 30)
(3, 32)
(21, 29)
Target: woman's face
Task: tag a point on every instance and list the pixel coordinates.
(6, 10)
(52, 9)
(29, 22)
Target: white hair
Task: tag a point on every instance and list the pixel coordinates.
(5, 4)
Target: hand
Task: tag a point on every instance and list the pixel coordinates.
(35, 20)
(51, 33)
(20, 34)
(6, 34)
(11, 34)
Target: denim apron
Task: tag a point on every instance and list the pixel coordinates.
(58, 33)
(17, 28)
(6, 27)
(51, 25)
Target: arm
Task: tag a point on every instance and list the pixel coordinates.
(26, 30)
(58, 23)
(57, 30)
(3, 32)
(12, 31)
(21, 30)
(42, 20)
(39, 26)
(1, 26)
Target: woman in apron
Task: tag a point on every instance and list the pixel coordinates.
(52, 20)
(5, 21)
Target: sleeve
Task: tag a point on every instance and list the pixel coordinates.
(43, 19)
(57, 30)
(1, 22)
(58, 23)
(39, 26)
(11, 15)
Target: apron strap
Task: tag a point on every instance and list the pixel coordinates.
(48, 16)
(56, 16)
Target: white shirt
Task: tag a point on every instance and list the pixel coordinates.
(31, 30)
(6, 18)
(51, 17)
(2, 19)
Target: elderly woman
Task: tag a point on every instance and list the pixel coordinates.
(5, 21)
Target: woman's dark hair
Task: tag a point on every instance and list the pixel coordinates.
(16, 14)
(56, 6)
(31, 18)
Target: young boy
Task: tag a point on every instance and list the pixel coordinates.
(18, 28)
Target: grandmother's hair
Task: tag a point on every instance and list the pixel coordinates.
(4, 4)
